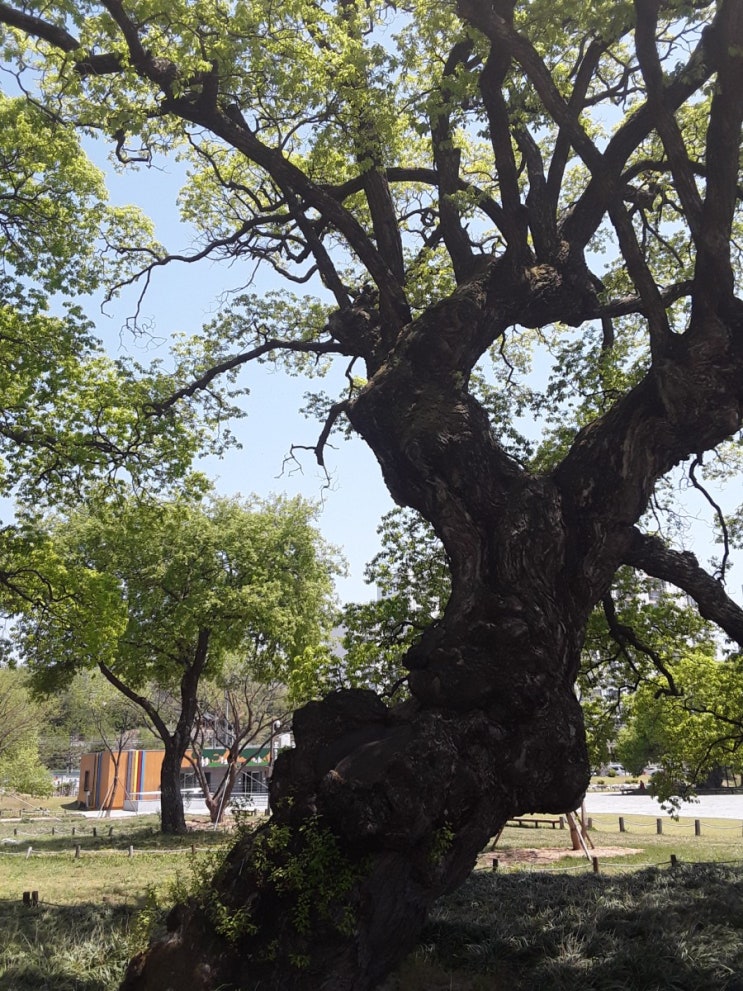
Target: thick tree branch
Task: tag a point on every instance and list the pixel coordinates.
(142, 701)
(714, 272)
(584, 218)
(447, 159)
(645, 31)
(38, 28)
(576, 102)
(492, 81)
(653, 304)
(682, 569)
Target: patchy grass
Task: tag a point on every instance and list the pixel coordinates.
(651, 930)
(631, 928)
(721, 841)
(89, 920)
(80, 947)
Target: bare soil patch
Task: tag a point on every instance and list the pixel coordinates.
(547, 855)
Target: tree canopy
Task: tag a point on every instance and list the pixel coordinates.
(157, 594)
(21, 718)
(502, 214)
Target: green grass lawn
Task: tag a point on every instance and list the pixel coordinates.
(517, 929)
(94, 878)
(721, 841)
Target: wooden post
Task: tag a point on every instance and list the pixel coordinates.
(34, 897)
(110, 831)
(26, 897)
(621, 824)
(674, 860)
(77, 851)
(15, 830)
(52, 830)
(562, 822)
(73, 830)
(95, 830)
(697, 827)
(589, 823)
(29, 852)
(494, 865)
(131, 851)
(595, 861)
(659, 826)
(574, 834)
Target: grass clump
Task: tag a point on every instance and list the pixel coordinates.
(80, 947)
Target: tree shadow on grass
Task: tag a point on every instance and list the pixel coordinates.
(653, 930)
(82, 947)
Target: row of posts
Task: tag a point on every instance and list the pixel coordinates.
(658, 826)
(54, 832)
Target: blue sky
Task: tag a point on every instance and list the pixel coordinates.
(181, 298)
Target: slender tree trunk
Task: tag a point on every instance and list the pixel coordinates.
(171, 799)
(224, 793)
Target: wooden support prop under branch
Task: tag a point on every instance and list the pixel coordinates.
(577, 837)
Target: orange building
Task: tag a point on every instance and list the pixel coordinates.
(137, 787)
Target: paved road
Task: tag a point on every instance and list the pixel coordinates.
(708, 806)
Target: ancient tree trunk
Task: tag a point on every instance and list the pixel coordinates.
(381, 809)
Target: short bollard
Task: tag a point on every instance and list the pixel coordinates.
(595, 862)
(77, 851)
(659, 826)
(697, 827)
(494, 865)
(621, 824)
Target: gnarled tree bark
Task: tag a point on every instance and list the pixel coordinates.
(403, 798)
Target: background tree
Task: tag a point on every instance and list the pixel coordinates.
(451, 174)
(691, 735)
(411, 581)
(69, 413)
(238, 710)
(160, 592)
(21, 718)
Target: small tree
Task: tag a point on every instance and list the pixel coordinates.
(689, 734)
(161, 592)
(236, 711)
